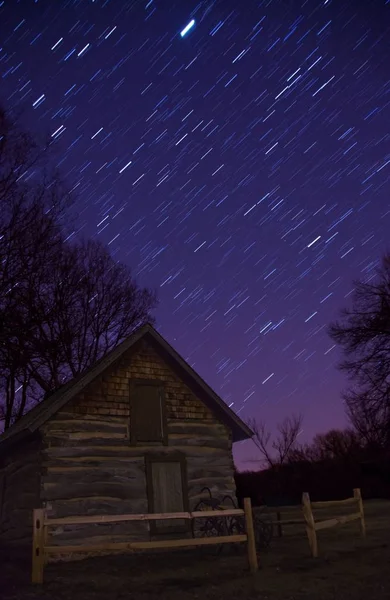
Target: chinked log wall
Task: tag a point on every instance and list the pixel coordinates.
(91, 468)
(20, 492)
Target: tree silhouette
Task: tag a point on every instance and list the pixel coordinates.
(276, 453)
(364, 336)
(334, 445)
(63, 304)
(87, 306)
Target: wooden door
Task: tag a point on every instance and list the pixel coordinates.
(167, 492)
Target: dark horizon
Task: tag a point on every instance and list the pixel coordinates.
(240, 169)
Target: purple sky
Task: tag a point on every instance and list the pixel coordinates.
(243, 170)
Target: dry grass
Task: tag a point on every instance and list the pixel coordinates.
(349, 568)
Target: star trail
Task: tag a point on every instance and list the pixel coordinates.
(237, 156)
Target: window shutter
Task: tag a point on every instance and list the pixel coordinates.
(147, 418)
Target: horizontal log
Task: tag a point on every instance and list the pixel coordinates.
(180, 415)
(104, 410)
(111, 466)
(126, 451)
(215, 482)
(104, 463)
(10, 522)
(70, 438)
(334, 503)
(96, 475)
(76, 533)
(85, 441)
(63, 470)
(29, 486)
(224, 460)
(11, 539)
(27, 481)
(186, 402)
(96, 506)
(16, 464)
(207, 422)
(15, 510)
(228, 539)
(183, 440)
(20, 515)
(95, 452)
(119, 490)
(66, 417)
(336, 521)
(204, 473)
(21, 500)
(21, 495)
(195, 495)
(84, 426)
(197, 429)
(19, 536)
(32, 463)
(93, 478)
(87, 462)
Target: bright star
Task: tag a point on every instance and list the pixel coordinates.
(187, 28)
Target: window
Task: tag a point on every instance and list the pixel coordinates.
(147, 412)
(166, 477)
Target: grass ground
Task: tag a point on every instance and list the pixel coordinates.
(348, 568)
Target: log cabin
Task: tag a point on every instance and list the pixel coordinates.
(138, 432)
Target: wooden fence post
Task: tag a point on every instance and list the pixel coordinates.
(38, 558)
(279, 518)
(251, 544)
(358, 495)
(310, 525)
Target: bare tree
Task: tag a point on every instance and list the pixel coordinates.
(32, 205)
(87, 307)
(276, 453)
(364, 336)
(63, 305)
(369, 413)
(333, 445)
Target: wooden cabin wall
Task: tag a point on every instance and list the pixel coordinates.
(20, 480)
(90, 467)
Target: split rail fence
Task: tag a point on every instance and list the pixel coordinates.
(42, 550)
(312, 525)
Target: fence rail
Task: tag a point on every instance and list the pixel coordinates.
(94, 519)
(334, 503)
(308, 518)
(42, 522)
(312, 526)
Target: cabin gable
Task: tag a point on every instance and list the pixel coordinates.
(109, 394)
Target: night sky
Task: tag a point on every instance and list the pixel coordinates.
(241, 168)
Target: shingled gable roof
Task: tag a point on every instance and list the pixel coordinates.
(38, 415)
